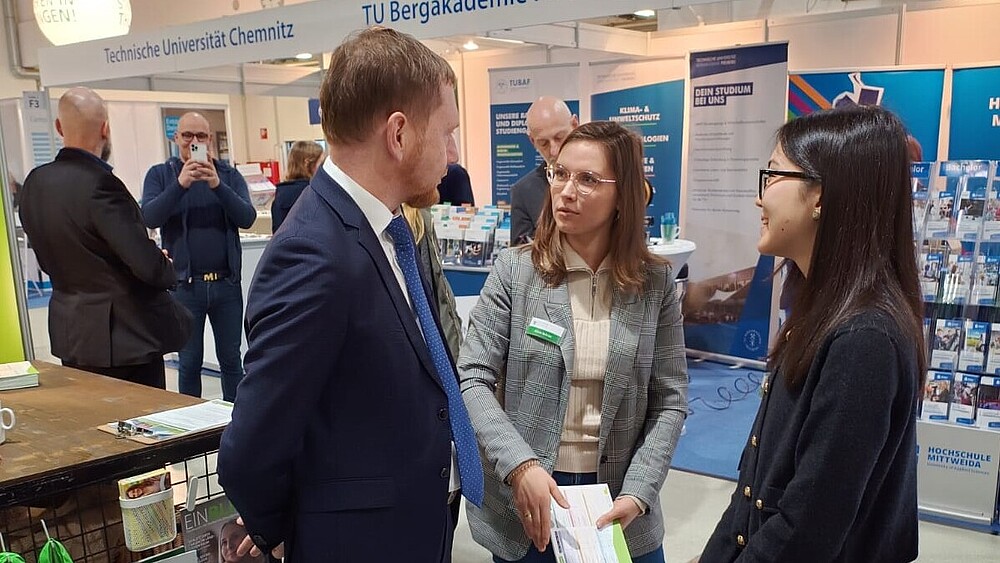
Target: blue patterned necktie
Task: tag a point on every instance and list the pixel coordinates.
(470, 469)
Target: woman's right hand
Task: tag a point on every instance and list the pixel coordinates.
(533, 491)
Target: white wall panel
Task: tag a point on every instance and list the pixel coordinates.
(956, 36)
(838, 41)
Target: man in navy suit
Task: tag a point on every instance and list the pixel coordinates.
(346, 443)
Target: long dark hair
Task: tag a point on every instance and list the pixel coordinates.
(628, 251)
(863, 256)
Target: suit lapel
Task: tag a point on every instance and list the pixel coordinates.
(351, 214)
(627, 312)
(560, 312)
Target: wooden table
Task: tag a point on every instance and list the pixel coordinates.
(56, 446)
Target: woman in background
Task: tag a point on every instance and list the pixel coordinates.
(303, 160)
(579, 335)
(830, 470)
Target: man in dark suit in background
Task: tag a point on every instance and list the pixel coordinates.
(456, 187)
(349, 425)
(110, 312)
(549, 122)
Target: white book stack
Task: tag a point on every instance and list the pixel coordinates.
(18, 375)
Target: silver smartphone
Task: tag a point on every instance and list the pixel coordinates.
(199, 152)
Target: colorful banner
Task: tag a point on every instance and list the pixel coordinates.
(975, 114)
(512, 91)
(737, 103)
(637, 96)
(914, 95)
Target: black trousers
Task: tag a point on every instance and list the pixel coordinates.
(151, 374)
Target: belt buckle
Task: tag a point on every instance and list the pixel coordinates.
(210, 277)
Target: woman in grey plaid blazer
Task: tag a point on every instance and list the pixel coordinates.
(574, 358)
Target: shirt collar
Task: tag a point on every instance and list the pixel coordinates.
(104, 164)
(575, 263)
(374, 210)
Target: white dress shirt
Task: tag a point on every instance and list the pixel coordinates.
(379, 216)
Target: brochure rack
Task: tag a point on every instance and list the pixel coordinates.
(956, 210)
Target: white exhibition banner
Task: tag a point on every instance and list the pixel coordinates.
(648, 98)
(736, 103)
(512, 90)
(311, 27)
(39, 130)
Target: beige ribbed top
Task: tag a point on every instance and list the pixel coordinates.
(590, 299)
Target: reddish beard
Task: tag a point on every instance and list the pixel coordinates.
(420, 196)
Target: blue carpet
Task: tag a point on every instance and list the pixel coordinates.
(722, 405)
(36, 301)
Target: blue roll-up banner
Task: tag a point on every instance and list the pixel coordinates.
(512, 90)
(737, 102)
(914, 95)
(647, 97)
(975, 114)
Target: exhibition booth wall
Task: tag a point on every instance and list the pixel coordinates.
(266, 106)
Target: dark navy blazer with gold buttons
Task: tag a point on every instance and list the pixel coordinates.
(829, 470)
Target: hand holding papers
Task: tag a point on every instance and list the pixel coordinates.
(534, 490)
(575, 535)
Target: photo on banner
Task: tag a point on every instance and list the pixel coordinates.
(975, 114)
(648, 98)
(914, 95)
(737, 102)
(512, 90)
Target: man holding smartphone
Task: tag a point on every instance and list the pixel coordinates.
(199, 203)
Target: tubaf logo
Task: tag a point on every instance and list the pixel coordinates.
(505, 85)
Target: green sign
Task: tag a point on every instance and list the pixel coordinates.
(11, 343)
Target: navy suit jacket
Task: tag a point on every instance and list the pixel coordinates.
(340, 444)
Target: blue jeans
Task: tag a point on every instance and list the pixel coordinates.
(222, 302)
(563, 479)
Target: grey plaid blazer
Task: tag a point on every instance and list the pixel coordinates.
(644, 405)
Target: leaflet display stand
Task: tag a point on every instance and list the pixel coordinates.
(957, 229)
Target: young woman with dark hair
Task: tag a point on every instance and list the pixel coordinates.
(829, 471)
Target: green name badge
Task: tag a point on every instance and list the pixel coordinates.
(544, 330)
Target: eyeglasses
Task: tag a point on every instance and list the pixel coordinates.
(188, 136)
(766, 174)
(585, 181)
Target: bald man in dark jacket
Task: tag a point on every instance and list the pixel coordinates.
(110, 312)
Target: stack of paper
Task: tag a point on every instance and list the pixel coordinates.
(575, 536)
(18, 375)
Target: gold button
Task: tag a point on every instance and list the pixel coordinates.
(746, 491)
(740, 540)
(753, 441)
(760, 504)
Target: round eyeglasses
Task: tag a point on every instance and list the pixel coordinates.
(585, 181)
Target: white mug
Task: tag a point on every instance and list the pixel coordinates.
(4, 425)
